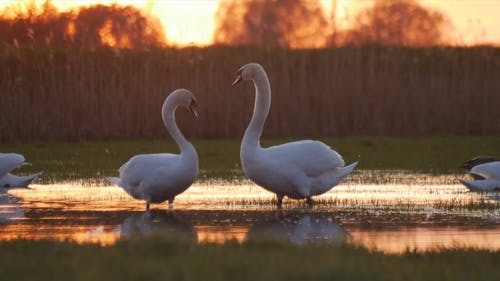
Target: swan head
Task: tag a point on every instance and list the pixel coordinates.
(248, 72)
(183, 97)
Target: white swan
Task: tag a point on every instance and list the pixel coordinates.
(490, 172)
(8, 163)
(297, 169)
(156, 178)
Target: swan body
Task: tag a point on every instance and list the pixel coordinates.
(469, 164)
(489, 177)
(298, 169)
(8, 163)
(478, 160)
(159, 177)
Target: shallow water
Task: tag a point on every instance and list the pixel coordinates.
(387, 217)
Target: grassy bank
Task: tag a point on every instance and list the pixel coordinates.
(57, 93)
(220, 158)
(157, 259)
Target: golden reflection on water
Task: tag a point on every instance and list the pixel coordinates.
(79, 234)
(106, 214)
(220, 235)
(426, 238)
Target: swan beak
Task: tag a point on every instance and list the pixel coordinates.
(237, 80)
(192, 108)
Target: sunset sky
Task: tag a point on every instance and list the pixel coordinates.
(192, 21)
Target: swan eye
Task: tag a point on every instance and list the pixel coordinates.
(192, 107)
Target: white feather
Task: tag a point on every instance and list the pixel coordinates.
(487, 170)
(491, 174)
(156, 178)
(297, 169)
(8, 163)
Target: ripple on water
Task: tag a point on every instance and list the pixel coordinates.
(389, 217)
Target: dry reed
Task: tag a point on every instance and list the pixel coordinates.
(61, 93)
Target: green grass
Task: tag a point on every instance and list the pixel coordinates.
(219, 159)
(162, 259)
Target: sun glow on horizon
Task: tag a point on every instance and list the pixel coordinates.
(191, 22)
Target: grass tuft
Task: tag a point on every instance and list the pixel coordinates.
(162, 259)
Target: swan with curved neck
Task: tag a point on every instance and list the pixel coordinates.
(157, 178)
(298, 170)
(8, 163)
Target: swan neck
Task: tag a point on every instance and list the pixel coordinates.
(168, 115)
(260, 111)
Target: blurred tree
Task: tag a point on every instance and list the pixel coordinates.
(92, 26)
(395, 22)
(286, 23)
(116, 26)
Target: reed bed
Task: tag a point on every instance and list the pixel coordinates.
(62, 93)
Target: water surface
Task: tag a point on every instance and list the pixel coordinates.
(386, 217)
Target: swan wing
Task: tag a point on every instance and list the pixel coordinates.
(487, 170)
(144, 166)
(311, 157)
(9, 162)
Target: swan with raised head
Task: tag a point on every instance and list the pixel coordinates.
(157, 178)
(8, 163)
(298, 170)
(488, 175)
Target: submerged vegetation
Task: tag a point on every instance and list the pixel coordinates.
(219, 159)
(161, 259)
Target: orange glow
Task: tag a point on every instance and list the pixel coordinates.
(70, 29)
(78, 234)
(221, 235)
(192, 22)
(425, 239)
(76, 213)
(473, 22)
(107, 37)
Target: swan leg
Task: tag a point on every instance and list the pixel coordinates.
(171, 204)
(147, 205)
(309, 201)
(279, 202)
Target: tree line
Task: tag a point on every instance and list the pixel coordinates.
(272, 23)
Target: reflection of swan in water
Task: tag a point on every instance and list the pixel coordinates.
(10, 209)
(300, 229)
(156, 224)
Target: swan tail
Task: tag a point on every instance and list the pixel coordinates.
(481, 185)
(26, 180)
(332, 178)
(345, 171)
(116, 181)
(10, 180)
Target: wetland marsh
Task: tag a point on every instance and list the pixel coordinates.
(407, 209)
(419, 206)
